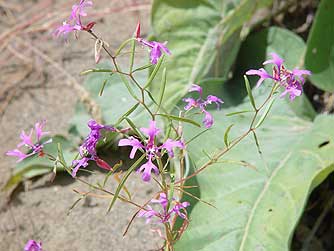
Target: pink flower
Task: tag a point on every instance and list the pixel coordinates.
(292, 81)
(33, 246)
(165, 215)
(26, 140)
(156, 48)
(151, 149)
(88, 148)
(202, 103)
(74, 22)
(78, 11)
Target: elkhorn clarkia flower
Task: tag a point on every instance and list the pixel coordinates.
(74, 22)
(33, 246)
(292, 81)
(202, 103)
(26, 140)
(156, 48)
(165, 215)
(151, 149)
(88, 148)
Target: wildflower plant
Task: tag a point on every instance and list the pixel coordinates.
(160, 151)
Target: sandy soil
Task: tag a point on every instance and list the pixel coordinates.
(34, 77)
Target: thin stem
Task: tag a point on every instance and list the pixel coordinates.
(235, 142)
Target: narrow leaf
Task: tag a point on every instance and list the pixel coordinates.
(131, 110)
(122, 182)
(154, 72)
(162, 90)
(249, 92)
(95, 70)
(237, 113)
(142, 68)
(102, 88)
(226, 141)
(132, 57)
(265, 113)
(172, 117)
(121, 47)
(257, 143)
(135, 129)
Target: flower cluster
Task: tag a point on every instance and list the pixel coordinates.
(26, 140)
(33, 246)
(165, 215)
(202, 103)
(88, 149)
(292, 81)
(151, 149)
(74, 22)
(155, 47)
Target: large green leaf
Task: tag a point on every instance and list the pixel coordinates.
(257, 209)
(320, 47)
(198, 31)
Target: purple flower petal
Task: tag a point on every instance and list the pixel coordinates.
(208, 119)
(156, 49)
(147, 169)
(299, 74)
(90, 142)
(33, 246)
(261, 73)
(196, 88)
(293, 91)
(78, 10)
(151, 132)
(170, 144)
(155, 54)
(39, 130)
(148, 213)
(277, 60)
(17, 153)
(191, 103)
(135, 143)
(213, 99)
(79, 163)
(66, 28)
(26, 139)
(181, 206)
(163, 200)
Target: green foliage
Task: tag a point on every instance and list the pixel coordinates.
(199, 32)
(250, 203)
(257, 209)
(320, 47)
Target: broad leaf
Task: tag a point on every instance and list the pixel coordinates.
(259, 199)
(320, 47)
(257, 209)
(197, 32)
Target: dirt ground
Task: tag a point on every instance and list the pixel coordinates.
(37, 74)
